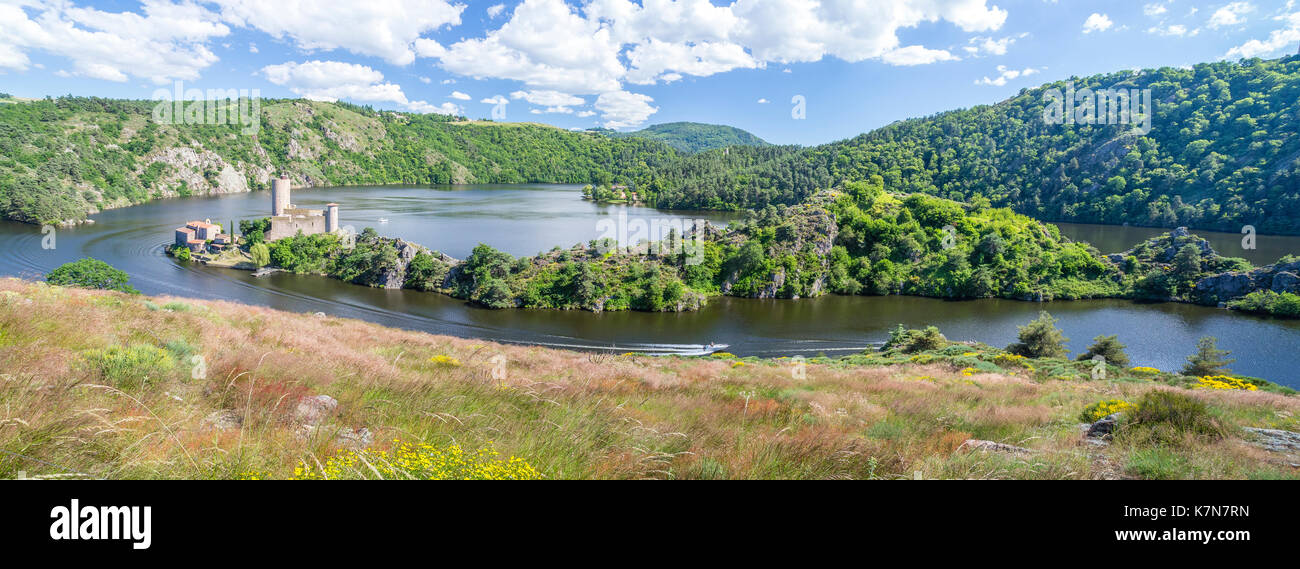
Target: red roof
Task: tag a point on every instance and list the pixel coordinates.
(200, 224)
(185, 229)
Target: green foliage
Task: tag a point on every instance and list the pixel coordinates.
(692, 137)
(260, 253)
(1208, 360)
(254, 230)
(1165, 417)
(912, 341)
(90, 273)
(1107, 347)
(127, 367)
(1282, 304)
(1040, 339)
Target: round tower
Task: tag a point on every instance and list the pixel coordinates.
(331, 217)
(279, 195)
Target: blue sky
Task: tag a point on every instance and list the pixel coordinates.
(624, 64)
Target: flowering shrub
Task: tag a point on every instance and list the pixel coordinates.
(1145, 370)
(418, 461)
(968, 371)
(1223, 382)
(445, 361)
(737, 363)
(1101, 409)
(1006, 360)
(723, 355)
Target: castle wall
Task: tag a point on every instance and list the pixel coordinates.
(288, 226)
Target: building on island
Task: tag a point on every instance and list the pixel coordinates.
(196, 235)
(287, 220)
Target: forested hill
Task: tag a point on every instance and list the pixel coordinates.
(63, 158)
(694, 137)
(1222, 153)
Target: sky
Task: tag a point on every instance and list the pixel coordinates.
(789, 71)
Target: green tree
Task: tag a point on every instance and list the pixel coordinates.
(91, 273)
(1040, 339)
(1107, 347)
(261, 254)
(1208, 359)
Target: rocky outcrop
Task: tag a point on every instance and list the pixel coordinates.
(991, 446)
(1275, 440)
(1278, 277)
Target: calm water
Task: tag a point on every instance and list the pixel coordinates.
(523, 220)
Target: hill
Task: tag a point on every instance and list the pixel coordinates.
(1222, 153)
(109, 385)
(61, 159)
(692, 137)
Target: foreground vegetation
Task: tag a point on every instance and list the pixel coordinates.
(110, 385)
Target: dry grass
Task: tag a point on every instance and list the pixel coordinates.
(570, 414)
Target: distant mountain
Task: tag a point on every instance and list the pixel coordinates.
(693, 137)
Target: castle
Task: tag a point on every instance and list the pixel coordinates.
(287, 220)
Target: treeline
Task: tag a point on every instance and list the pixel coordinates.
(1222, 153)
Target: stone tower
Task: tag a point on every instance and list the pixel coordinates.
(279, 195)
(331, 217)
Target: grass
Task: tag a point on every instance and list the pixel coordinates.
(565, 414)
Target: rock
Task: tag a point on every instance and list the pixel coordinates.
(991, 446)
(343, 436)
(1275, 440)
(312, 409)
(222, 420)
(1104, 428)
(1285, 282)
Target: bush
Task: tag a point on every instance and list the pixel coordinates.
(1100, 409)
(1107, 347)
(90, 273)
(1167, 417)
(130, 366)
(1040, 339)
(418, 461)
(911, 341)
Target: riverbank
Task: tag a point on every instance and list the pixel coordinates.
(108, 385)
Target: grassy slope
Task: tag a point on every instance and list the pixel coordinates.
(571, 415)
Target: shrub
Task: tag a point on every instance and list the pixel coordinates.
(90, 273)
(1107, 347)
(1040, 339)
(418, 461)
(129, 366)
(1167, 417)
(1100, 409)
(910, 341)
(1223, 382)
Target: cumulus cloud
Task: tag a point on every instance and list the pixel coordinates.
(621, 109)
(916, 55)
(1276, 41)
(1230, 15)
(388, 30)
(334, 80)
(1174, 30)
(164, 42)
(1005, 75)
(495, 10)
(1097, 23)
(459, 96)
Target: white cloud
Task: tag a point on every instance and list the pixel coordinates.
(988, 45)
(621, 109)
(1230, 15)
(1097, 23)
(1154, 9)
(916, 55)
(1276, 41)
(388, 30)
(460, 96)
(1174, 30)
(252, 47)
(164, 42)
(585, 114)
(495, 10)
(1005, 75)
(763, 101)
(548, 98)
(334, 80)
(496, 100)
(426, 80)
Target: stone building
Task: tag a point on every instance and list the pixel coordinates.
(287, 220)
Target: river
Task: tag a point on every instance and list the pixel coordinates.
(526, 219)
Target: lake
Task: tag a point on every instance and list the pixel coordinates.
(526, 219)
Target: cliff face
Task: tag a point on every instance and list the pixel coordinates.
(1278, 277)
(803, 241)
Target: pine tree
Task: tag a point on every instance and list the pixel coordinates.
(1040, 339)
(1208, 359)
(1107, 347)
